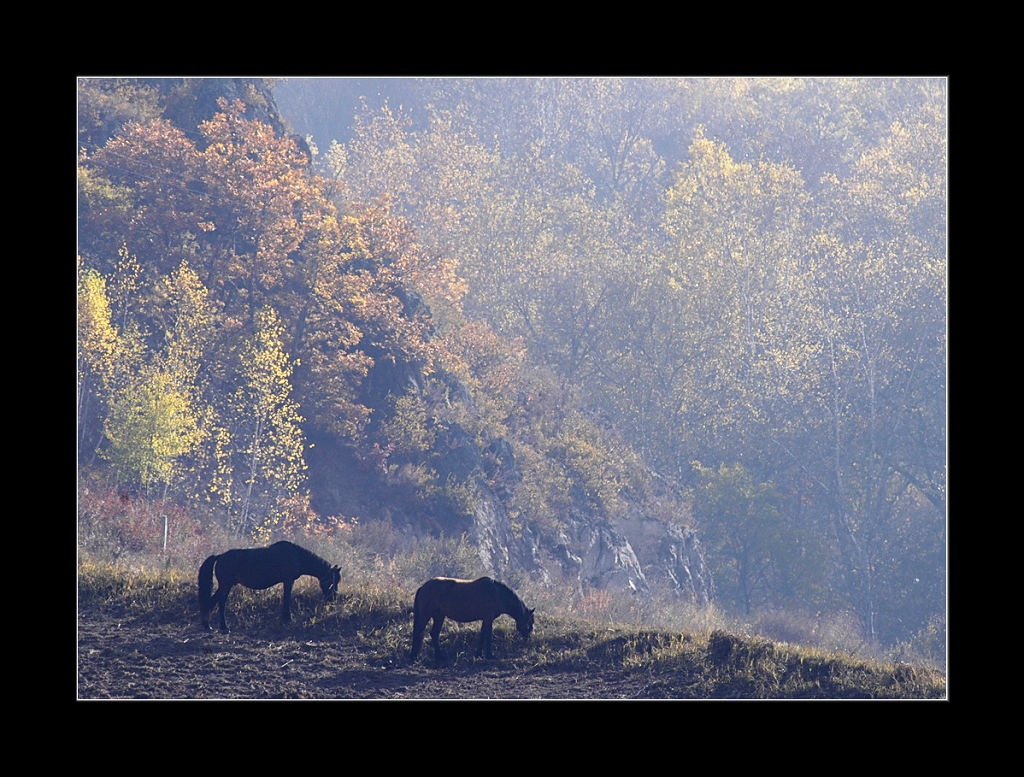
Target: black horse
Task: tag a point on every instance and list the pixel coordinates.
(283, 562)
(464, 601)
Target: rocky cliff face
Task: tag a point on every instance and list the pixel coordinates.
(189, 101)
(671, 554)
(635, 553)
(638, 554)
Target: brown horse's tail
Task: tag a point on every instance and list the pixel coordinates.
(206, 586)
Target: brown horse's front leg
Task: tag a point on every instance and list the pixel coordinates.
(419, 624)
(486, 634)
(286, 602)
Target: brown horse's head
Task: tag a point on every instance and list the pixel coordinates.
(329, 583)
(524, 623)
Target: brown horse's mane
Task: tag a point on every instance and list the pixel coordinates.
(510, 598)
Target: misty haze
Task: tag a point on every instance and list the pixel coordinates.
(666, 356)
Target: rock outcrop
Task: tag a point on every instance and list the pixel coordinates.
(637, 555)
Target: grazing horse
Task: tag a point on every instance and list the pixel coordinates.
(259, 568)
(464, 601)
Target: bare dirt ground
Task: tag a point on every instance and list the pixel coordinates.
(137, 651)
(122, 659)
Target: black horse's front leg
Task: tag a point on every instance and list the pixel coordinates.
(286, 603)
(435, 637)
(486, 633)
(204, 616)
(222, 597)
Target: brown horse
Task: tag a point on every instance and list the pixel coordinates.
(464, 601)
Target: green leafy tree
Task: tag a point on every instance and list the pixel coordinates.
(744, 531)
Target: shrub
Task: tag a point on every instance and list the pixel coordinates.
(441, 557)
(113, 525)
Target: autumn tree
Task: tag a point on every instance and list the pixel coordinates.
(214, 233)
(238, 207)
(145, 404)
(246, 214)
(734, 301)
(150, 427)
(882, 290)
(264, 208)
(265, 426)
(108, 356)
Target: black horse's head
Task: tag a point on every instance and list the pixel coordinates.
(524, 623)
(329, 583)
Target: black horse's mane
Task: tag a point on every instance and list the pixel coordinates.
(310, 556)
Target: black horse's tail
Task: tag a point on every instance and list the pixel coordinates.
(206, 587)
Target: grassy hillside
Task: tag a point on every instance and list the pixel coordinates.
(138, 630)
